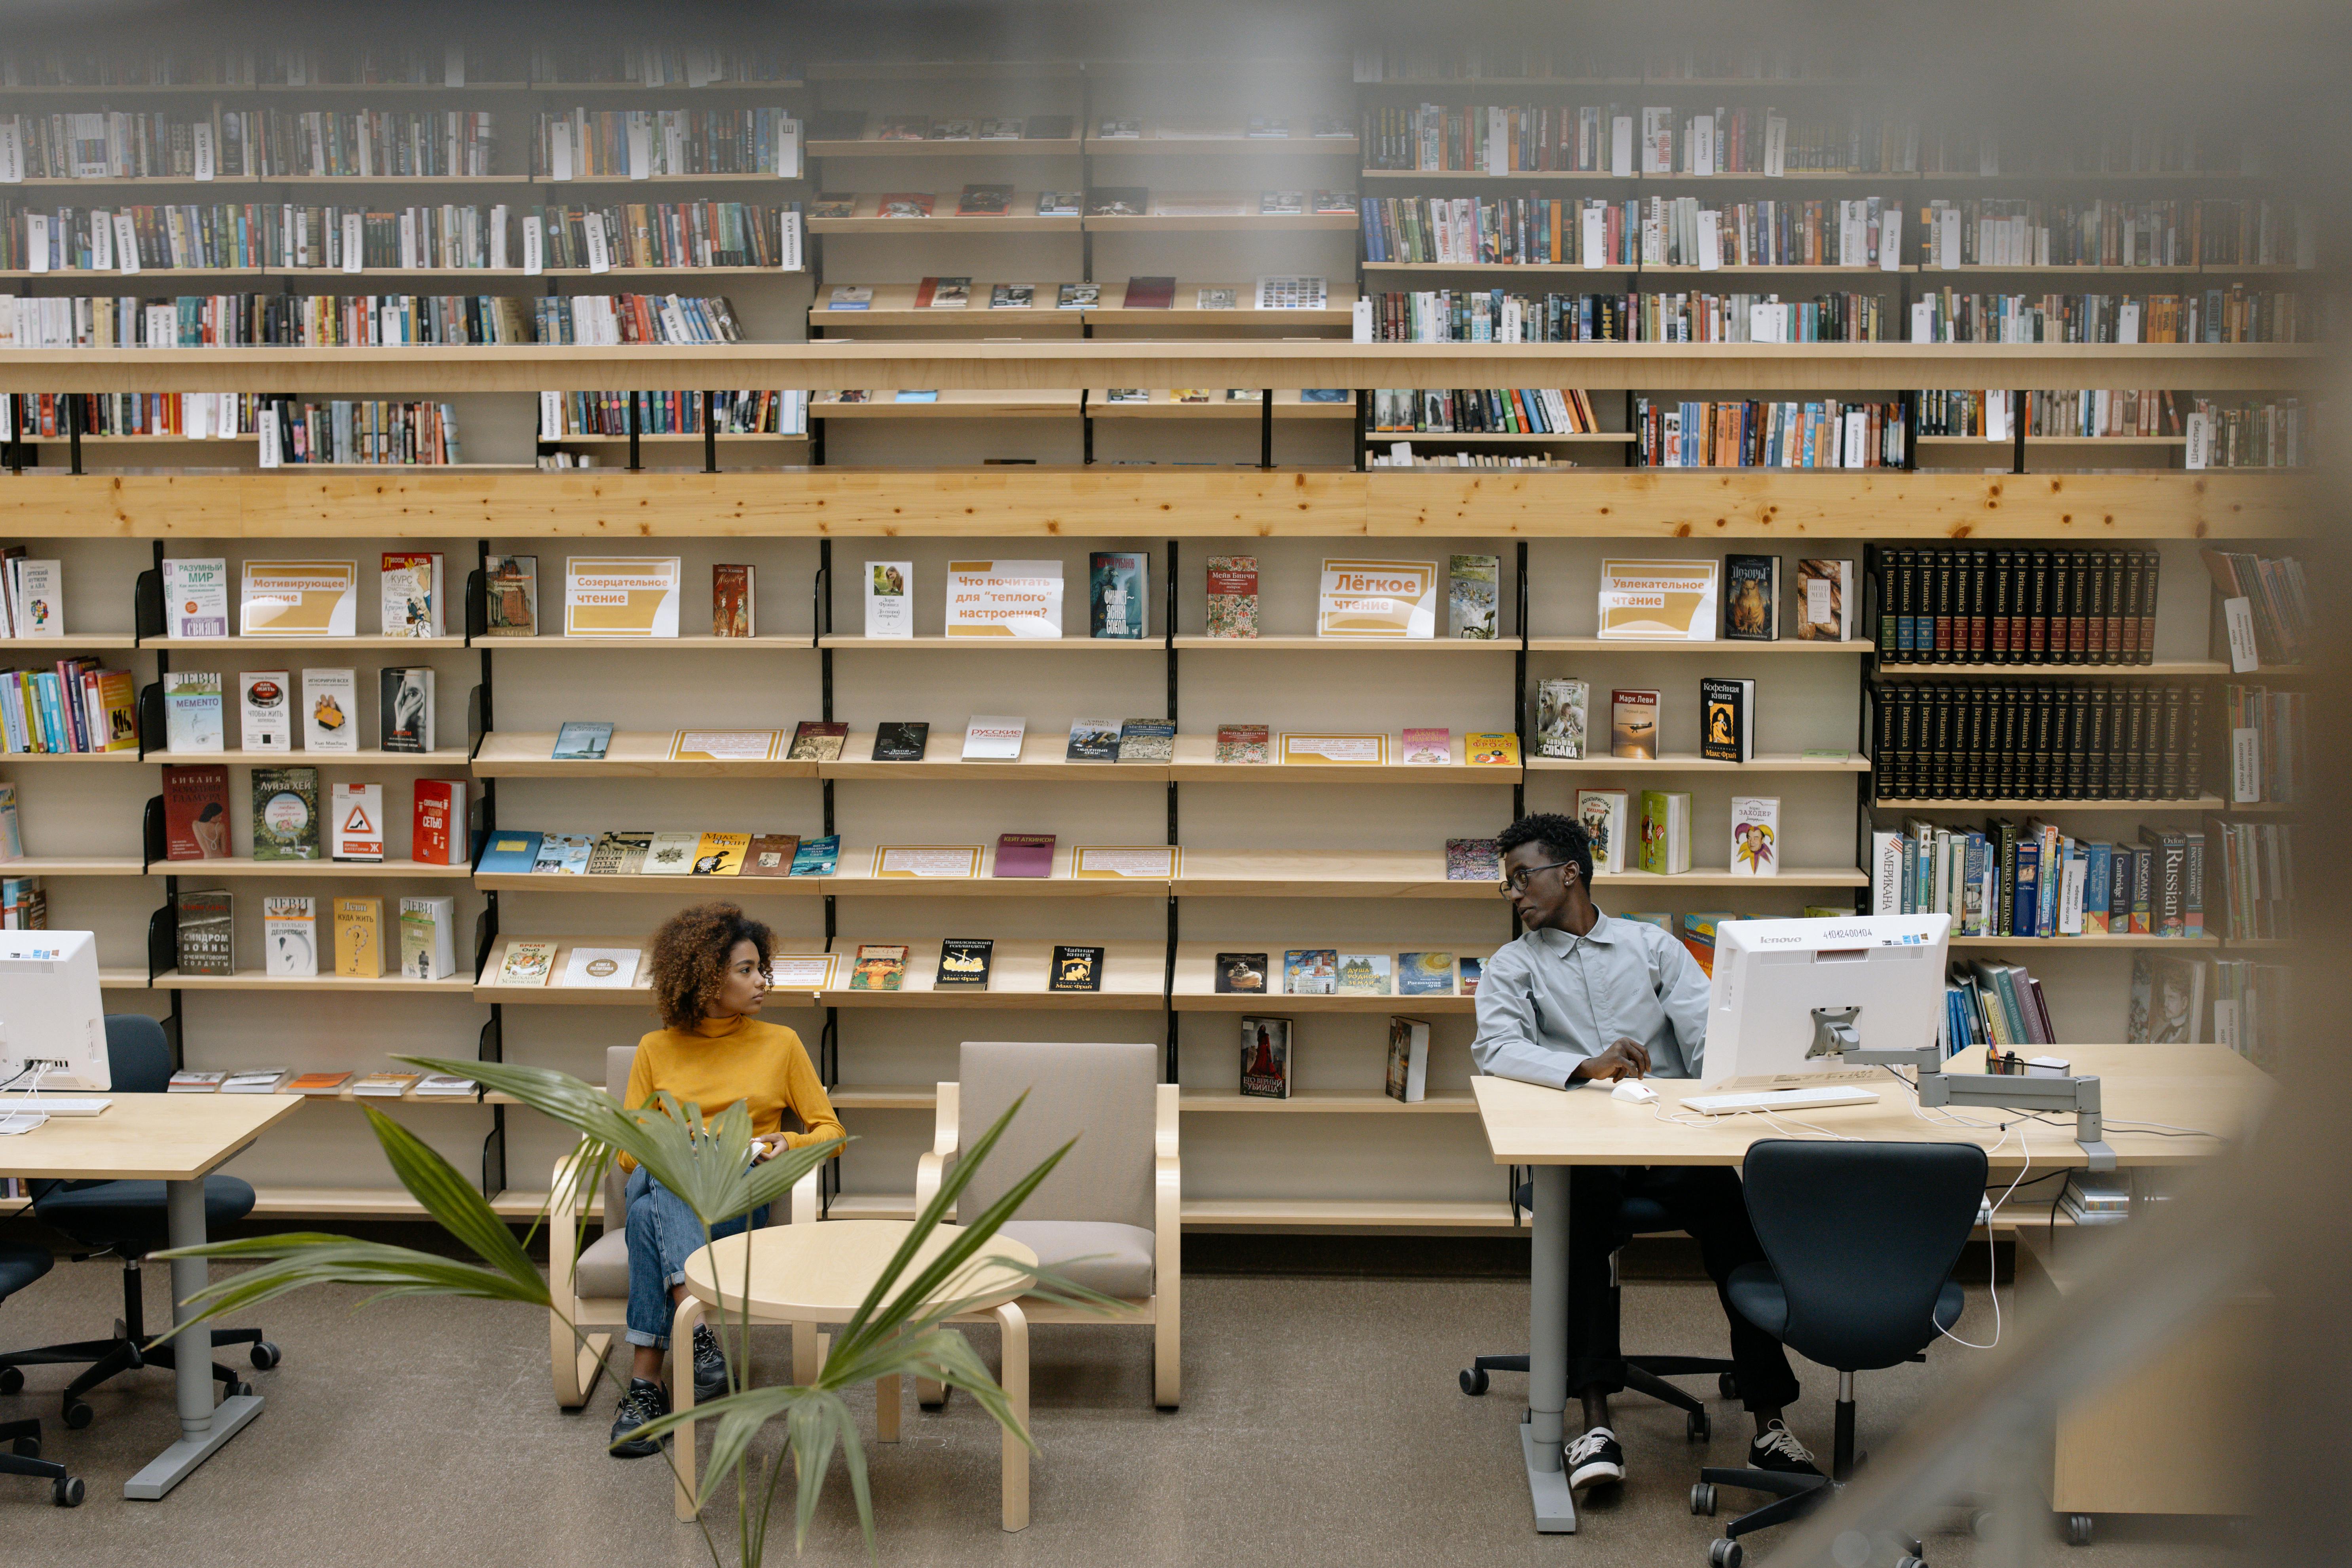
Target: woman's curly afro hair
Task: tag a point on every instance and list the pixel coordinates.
(690, 960)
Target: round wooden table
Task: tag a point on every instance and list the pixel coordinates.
(806, 1275)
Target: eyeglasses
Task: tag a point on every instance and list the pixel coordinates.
(1516, 881)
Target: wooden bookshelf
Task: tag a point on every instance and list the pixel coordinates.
(954, 402)
(1020, 217)
(1208, 214)
(1162, 405)
(642, 754)
(74, 866)
(311, 871)
(1195, 989)
(1133, 977)
(877, 146)
(2157, 669)
(486, 987)
(2202, 803)
(441, 757)
(367, 641)
(1716, 648)
(1159, 141)
(687, 642)
(1690, 763)
(256, 980)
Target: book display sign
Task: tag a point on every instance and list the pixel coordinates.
(1157, 862)
(1005, 599)
(620, 596)
(1342, 750)
(803, 970)
(895, 860)
(1377, 599)
(299, 598)
(1643, 600)
(726, 745)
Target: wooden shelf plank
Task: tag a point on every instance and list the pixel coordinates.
(1196, 763)
(2163, 667)
(876, 1097)
(1717, 649)
(1332, 1104)
(242, 644)
(994, 645)
(1134, 975)
(10, 759)
(1236, 1213)
(74, 866)
(954, 402)
(94, 640)
(969, 147)
(1021, 217)
(1686, 762)
(696, 642)
(122, 979)
(1288, 405)
(373, 871)
(486, 987)
(1157, 142)
(256, 980)
(1353, 644)
(1438, 439)
(2138, 939)
(641, 754)
(1196, 989)
(444, 757)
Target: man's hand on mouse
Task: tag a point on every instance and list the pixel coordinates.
(1622, 1058)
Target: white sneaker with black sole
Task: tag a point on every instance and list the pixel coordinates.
(1594, 1459)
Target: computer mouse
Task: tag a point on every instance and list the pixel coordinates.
(1634, 1091)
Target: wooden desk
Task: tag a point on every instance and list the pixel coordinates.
(178, 1139)
(2209, 1088)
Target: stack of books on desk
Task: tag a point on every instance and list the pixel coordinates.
(2096, 1199)
(254, 1080)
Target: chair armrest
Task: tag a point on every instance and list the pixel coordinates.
(1167, 1198)
(564, 1210)
(804, 1199)
(932, 1167)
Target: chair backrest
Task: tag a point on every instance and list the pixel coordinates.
(138, 1054)
(619, 1061)
(1862, 1237)
(1103, 1095)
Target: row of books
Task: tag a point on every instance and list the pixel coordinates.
(77, 705)
(2233, 315)
(2028, 879)
(2258, 879)
(326, 721)
(563, 414)
(319, 320)
(851, 124)
(1750, 433)
(965, 963)
(1495, 410)
(1265, 1055)
(274, 60)
(1997, 1005)
(1628, 139)
(359, 1085)
(2251, 433)
(515, 852)
(2119, 412)
(286, 817)
(2277, 598)
(279, 599)
(2252, 1009)
(1493, 315)
(1400, 454)
(2014, 605)
(206, 944)
(2270, 754)
(1521, 55)
(126, 144)
(1004, 737)
(1460, 231)
(645, 143)
(1332, 972)
(1762, 317)
(983, 200)
(1975, 740)
(294, 430)
(2025, 231)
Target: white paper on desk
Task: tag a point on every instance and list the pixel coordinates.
(354, 243)
(1621, 146)
(1710, 239)
(534, 246)
(37, 242)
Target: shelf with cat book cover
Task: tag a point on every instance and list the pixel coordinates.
(1686, 762)
(74, 866)
(256, 980)
(373, 870)
(1020, 216)
(372, 642)
(1173, 140)
(1214, 404)
(1217, 211)
(2093, 939)
(1884, 671)
(1133, 977)
(638, 994)
(2200, 803)
(1195, 989)
(444, 757)
(954, 402)
(1716, 648)
(641, 753)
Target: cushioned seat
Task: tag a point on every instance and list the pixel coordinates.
(1756, 1294)
(130, 1217)
(20, 1266)
(1115, 1259)
(603, 1269)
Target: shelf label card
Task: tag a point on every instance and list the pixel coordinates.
(12, 151)
(202, 150)
(37, 242)
(534, 246)
(600, 249)
(355, 242)
(2201, 440)
(2238, 621)
(1710, 239)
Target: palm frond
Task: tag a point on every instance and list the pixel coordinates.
(451, 1199)
(301, 1261)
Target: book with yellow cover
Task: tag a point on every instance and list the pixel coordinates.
(721, 854)
(1498, 750)
(359, 942)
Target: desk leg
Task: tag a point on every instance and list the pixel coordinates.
(203, 1427)
(1539, 1438)
(1014, 1328)
(682, 1325)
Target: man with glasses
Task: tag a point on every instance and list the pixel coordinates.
(1578, 1002)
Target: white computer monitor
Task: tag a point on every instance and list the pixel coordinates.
(1771, 976)
(50, 1012)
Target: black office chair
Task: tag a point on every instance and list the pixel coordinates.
(129, 1219)
(19, 1267)
(1859, 1241)
(1643, 1374)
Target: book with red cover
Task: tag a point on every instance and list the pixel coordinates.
(438, 833)
(1150, 294)
(195, 812)
(985, 201)
(731, 601)
(1025, 855)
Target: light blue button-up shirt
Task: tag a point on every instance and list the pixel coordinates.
(1551, 999)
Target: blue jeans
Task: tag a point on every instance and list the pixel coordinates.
(663, 1234)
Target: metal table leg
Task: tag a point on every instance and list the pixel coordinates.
(1540, 1436)
(202, 1426)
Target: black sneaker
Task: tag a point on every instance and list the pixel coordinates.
(1594, 1460)
(709, 1366)
(645, 1400)
(1777, 1449)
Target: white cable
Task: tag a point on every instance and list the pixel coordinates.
(1992, 1248)
(26, 1120)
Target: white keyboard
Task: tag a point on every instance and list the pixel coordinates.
(1777, 1099)
(54, 1105)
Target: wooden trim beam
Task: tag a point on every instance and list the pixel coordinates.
(1787, 369)
(1099, 502)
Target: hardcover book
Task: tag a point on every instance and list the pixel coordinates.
(410, 581)
(964, 964)
(1125, 201)
(1361, 974)
(527, 964)
(404, 710)
(1430, 748)
(582, 741)
(191, 711)
(1825, 601)
(1470, 972)
(1118, 594)
(359, 942)
(619, 854)
(1309, 971)
(1245, 743)
(1025, 855)
(384, 1085)
(1012, 297)
(428, 942)
(1471, 600)
(565, 855)
(1497, 750)
(731, 601)
(267, 711)
(289, 936)
(195, 812)
(1633, 724)
(358, 815)
(1601, 814)
(195, 593)
(1232, 595)
(984, 201)
(993, 737)
(1751, 598)
(331, 711)
(817, 740)
(1240, 974)
(319, 1083)
(1726, 721)
(1078, 296)
(943, 294)
(903, 204)
(769, 855)
(1266, 1058)
(889, 605)
(1147, 741)
(510, 596)
(1150, 294)
(879, 967)
(670, 854)
(817, 856)
(1093, 740)
(1560, 707)
(901, 741)
(1076, 969)
(1755, 836)
(286, 814)
(850, 296)
(1061, 204)
(188, 1081)
(721, 854)
(1407, 1077)
(1215, 298)
(507, 852)
(1472, 860)
(1425, 974)
(439, 831)
(1665, 832)
(204, 926)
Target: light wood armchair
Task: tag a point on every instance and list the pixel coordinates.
(1117, 1199)
(591, 1285)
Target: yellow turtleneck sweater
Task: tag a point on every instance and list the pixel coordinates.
(727, 1060)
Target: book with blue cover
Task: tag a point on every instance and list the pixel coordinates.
(562, 855)
(1117, 599)
(581, 742)
(508, 851)
(817, 856)
(1425, 974)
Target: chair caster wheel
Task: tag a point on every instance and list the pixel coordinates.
(1702, 1500)
(1908, 1562)
(1983, 1522)
(11, 1380)
(266, 1355)
(235, 1388)
(1726, 1385)
(25, 1447)
(65, 1491)
(2078, 1530)
(1697, 1428)
(1473, 1380)
(1725, 1554)
(77, 1415)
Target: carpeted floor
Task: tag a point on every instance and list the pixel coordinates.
(1321, 1425)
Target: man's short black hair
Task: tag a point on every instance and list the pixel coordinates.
(1561, 837)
